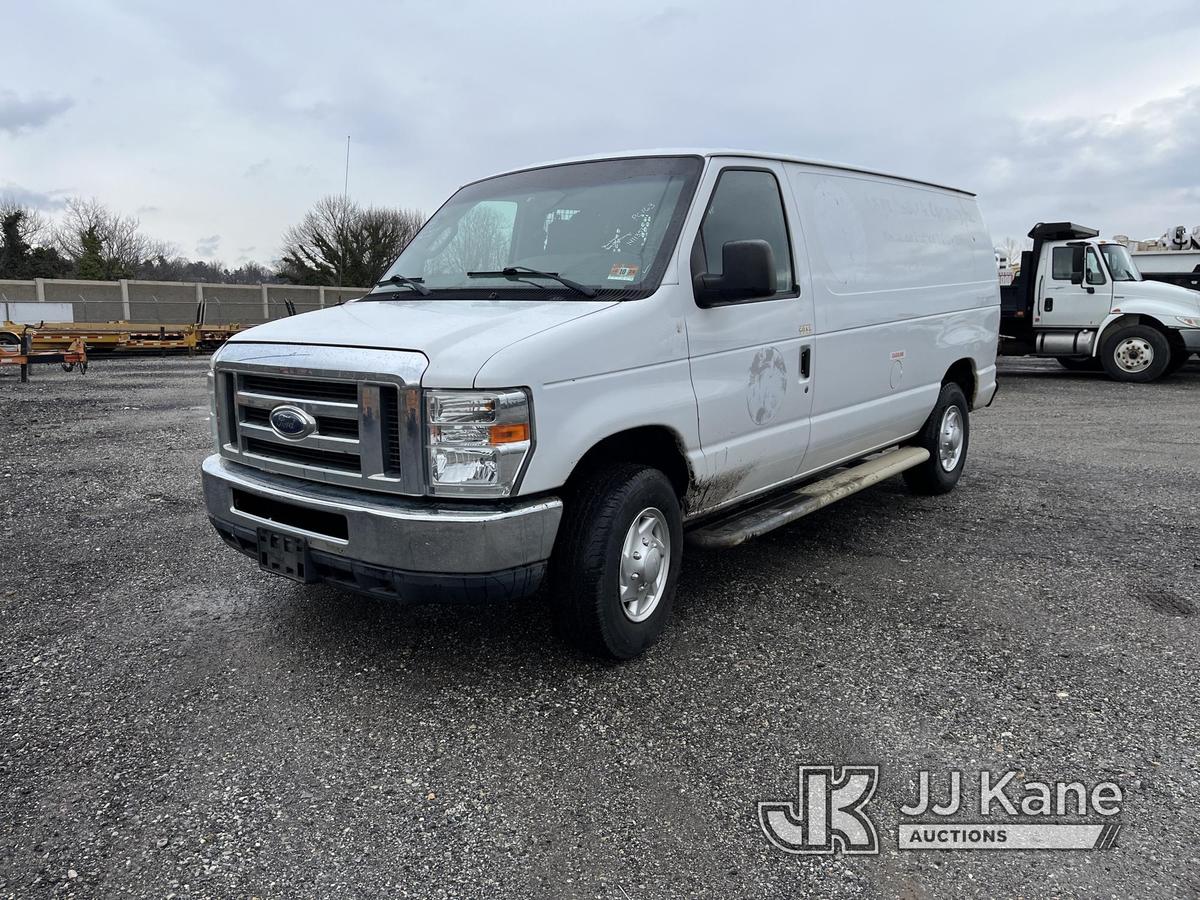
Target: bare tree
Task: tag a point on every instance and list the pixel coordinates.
(122, 248)
(34, 226)
(341, 243)
(1012, 248)
(480, 243)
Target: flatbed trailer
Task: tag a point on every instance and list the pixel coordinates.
(60, 336)
(74, 357)
(111, 336)
(210, 337)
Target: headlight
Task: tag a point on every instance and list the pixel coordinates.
(478, 441)
(1189, 322)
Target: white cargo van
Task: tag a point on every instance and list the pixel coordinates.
(574, 368)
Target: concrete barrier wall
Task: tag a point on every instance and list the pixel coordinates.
(161, 302)
(93, 301)
(227, 304)
(33, 313)
(172, 302)
(17, 291)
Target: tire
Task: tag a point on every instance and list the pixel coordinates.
(1080, 364)
(951, 415)
(586, 570)
(1135, 353)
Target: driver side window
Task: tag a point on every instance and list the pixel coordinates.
(1094, 271)
(746, 205)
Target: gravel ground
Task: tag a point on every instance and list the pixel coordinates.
(176, 723)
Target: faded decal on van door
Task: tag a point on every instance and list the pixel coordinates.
(768, 385)
(842, 236)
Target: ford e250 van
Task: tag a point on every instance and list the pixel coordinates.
(574, 369)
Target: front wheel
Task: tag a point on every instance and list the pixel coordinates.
(946, 435)
(617, 559)
(1135, 353)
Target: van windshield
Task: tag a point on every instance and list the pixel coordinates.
(1120, 263)
(608, 225)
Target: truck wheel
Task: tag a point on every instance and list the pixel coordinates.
(1135, 353)
(1079, 364)
(946, 435)
(617, 559)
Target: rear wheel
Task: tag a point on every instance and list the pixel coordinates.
(1135, 353)
(616, 560)
(946, 435)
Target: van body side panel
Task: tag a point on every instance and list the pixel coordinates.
(904, 285)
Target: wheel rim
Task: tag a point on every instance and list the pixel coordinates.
(645, 564)
(950, 438)
(1134, 354)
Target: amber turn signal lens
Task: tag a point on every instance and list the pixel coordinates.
(508, 434)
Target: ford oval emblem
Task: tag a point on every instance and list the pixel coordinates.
(292, 422)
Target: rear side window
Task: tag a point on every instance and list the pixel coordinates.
(1060, 264)
(746, 205)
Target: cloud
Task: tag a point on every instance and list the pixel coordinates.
(207, 247)
(21, 196)
(243, 137)
(1131, 172)
(17, 114)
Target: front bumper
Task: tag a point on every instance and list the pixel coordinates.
(1191, 338)
(380, 544)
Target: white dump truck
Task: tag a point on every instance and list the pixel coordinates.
(1083, 301)
(576, 367)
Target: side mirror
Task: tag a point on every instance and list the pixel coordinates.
(747, 270)
(1077, 264)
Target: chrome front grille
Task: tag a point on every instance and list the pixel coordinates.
(366, 432)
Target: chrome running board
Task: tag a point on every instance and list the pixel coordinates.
(758, 519)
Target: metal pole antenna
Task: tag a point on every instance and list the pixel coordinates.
(345, 195)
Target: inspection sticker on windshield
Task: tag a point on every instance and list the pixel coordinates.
(623, 272)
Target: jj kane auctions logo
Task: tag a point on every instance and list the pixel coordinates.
(831, 813)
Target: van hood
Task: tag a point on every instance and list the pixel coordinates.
(1157, 291)
(457, 336)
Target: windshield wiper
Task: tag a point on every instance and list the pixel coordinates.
(521, 273)
(417, 284)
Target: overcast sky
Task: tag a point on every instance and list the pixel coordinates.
(219, 123)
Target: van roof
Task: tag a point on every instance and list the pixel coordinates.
(753, 154)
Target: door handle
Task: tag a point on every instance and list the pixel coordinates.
(805, 362)
(1048, 305)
